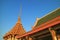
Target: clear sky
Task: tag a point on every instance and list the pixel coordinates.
(31, 9)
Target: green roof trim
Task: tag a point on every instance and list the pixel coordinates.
(49, 17)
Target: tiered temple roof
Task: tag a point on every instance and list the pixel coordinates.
(17, 29)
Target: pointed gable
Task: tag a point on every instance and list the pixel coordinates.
(17, 29)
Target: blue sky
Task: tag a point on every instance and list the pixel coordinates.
(31, 9)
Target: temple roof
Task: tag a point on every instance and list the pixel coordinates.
(17, 29)
(48, 17)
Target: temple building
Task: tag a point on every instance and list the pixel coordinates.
(45, 28)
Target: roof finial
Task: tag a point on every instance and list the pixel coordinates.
(19, 21)
(19, 16)
(20, 10)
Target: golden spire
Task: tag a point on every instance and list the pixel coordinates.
(19, 16)
(17, 29)
(19, 20)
